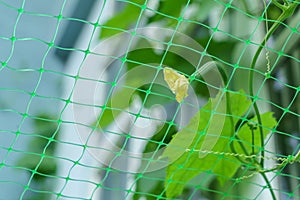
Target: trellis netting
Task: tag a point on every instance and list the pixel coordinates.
(150, 99)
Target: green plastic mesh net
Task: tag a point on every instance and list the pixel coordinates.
(150, 99)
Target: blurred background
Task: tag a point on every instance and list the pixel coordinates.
(44, 46)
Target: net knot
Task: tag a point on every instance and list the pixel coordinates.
(291, 159)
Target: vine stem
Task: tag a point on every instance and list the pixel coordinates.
(287, 11)
(276, 24)
(268, 184)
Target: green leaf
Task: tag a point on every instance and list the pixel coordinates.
(197, 125)
(46, 167)
(139, 57)
(45, 126)
(229, 165)
(245, 133)
(121, 98)
(169, 10)
(187, 164)
(142, 56)
(159, 95)
(150, 183)
(123, 20)
(164, 135)
(115, 106)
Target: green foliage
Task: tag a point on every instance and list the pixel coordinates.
(187, 164)
(46, 167)
(251, 127)
(164, 135)
(123, 20)
(46, 128)
(168, 10)
(159, 95)
(150, 185)
(138, 57)
(115, 106)
(220, 49)
(238, 135)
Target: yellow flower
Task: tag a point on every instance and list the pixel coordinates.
(177, 83)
